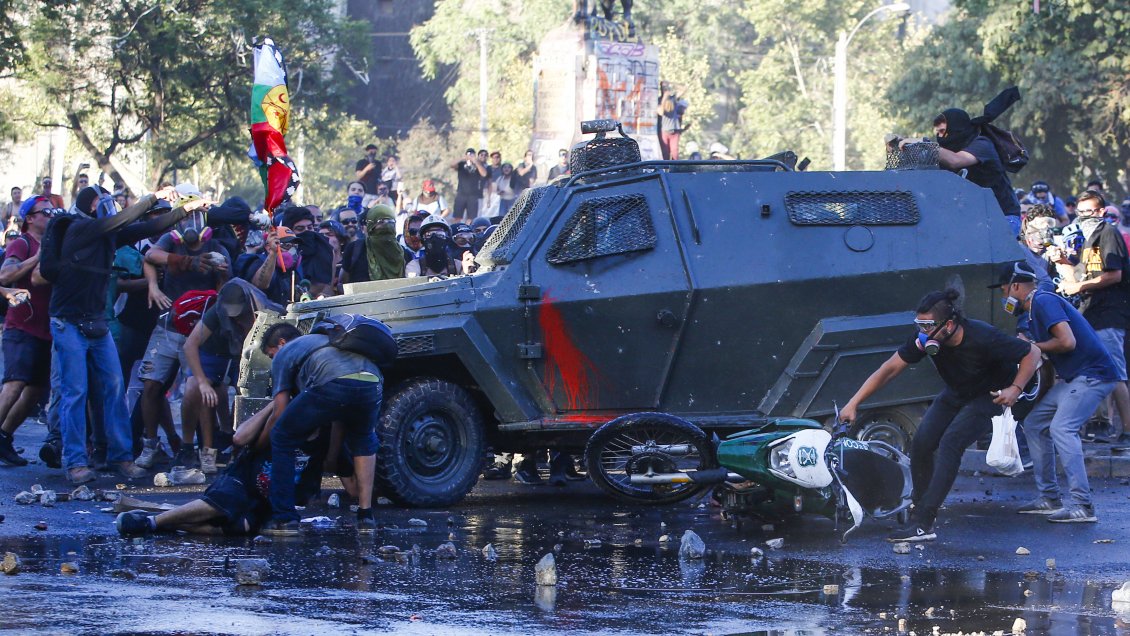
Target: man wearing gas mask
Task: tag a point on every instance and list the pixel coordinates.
(81, 341)
(436, 259)
(193, 261)
(1086, 376)
(983, 368)
(1103, 284)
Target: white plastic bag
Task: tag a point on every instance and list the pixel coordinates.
(1004, 453)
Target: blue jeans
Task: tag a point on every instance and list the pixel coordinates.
(951, 425)
(88, 366)
(354, 403)
(1053, 428)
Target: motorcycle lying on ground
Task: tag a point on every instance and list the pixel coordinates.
(780, 469)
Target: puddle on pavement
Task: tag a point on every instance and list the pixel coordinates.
(319, 584)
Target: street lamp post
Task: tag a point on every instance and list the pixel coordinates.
(840, 89)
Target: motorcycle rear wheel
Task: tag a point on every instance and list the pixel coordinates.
(611, 462)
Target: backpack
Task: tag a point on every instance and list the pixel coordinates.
(359, 334)
(190, 308)
(1013, 154)
(51, 259)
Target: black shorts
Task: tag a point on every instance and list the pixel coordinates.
(26, 358)
(235, 495)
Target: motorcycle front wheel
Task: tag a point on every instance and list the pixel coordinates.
(648, 443)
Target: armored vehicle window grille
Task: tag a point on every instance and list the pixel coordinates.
(414, 345)
(852, 208)
(605, 226)
(917, 155)
(499, 247)
(603, 153)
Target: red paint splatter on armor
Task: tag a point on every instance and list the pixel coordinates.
(564, 360)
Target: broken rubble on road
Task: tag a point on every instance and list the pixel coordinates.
(251, 571)
(489, 553)
(11, 563)
(546, 570)
(692, 546)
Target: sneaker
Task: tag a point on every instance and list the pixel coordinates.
(365, 523)
(8, 453)
(148, 454)
(129, 470)
(1074, 514)
(497, 471)
(80, 475)
(278, 528)
(911, 534)
(527, 474)
(208, 460)
(1040, 506)
(134, 523)
(51, 454)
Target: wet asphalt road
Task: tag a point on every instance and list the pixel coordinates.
(631, 583)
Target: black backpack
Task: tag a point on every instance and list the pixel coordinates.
(359, 334)
(1012, 152)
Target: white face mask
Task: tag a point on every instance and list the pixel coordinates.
(1088, 224)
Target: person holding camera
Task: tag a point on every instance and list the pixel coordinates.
(368, 172)
(470, 172)
(983, 369)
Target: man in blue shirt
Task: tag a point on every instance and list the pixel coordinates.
(316, 384)
(1086, 375)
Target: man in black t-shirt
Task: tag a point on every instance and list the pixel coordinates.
(368, 172)
(470, 173)
(979, 365)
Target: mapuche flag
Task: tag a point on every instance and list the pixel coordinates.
(270, 114)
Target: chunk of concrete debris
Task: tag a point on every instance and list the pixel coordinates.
(82, 493)
(446, 551)
(756, 553)
(334, 500)
(489, 553)
(902, 625)
(68, 568)
(546, 570)
(1019, 625)
(665, 538)
(901, 548)
(1023, 551)
(692, 546)
(262, 540)
(25, 497)
(124, 574)
(776, 544)
(11, 563)
(831, 590)
(592, 543)
(1121, 595)
(251, 571)
(929, 613)
(47, 498)
(417, 523)
(41, 526)
(161, 480)
(1050, 563)
(36, 489)
(388, 550)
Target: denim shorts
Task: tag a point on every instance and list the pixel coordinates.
(26, 358)
(235, 495)
(1112, 338)
(164, 355)
(218, 369)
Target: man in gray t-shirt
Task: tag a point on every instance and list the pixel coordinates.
(315, 385)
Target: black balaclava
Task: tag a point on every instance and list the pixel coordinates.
(960, 131)
(435, 253)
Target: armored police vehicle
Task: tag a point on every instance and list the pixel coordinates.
(726, 293)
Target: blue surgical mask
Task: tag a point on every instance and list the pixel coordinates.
(354, 202)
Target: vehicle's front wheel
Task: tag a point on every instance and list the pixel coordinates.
(431, 449)
(893, 425)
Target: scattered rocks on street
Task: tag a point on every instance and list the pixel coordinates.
(334, 501)
(47, 498)
(489, 553)
(82, 493)
(831, 590)
(41, 526)
(1050, 563)
(1023, 551)
(68, 568)
(11, 563)
(125, 574)
(446, 551)
(25, 497)
(756, 553)
(251, 571)
(1019, 625)
(692, 546)
(592, 543)
(901, 548)
(417, 523)
(546, 570)
(776, 544)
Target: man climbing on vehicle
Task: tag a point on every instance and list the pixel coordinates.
(979, 365)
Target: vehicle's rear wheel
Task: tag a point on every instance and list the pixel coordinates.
(635, 444)
(893, 425)
(431, 444)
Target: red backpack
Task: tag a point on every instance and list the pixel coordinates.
(190, 308)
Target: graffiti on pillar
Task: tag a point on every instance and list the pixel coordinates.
(628, 85)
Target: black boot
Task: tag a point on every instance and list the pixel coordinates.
(8, 453)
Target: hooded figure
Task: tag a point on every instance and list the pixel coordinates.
(239, 300)
(317, 257)
(382, 250)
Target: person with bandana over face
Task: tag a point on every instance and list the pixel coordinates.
(964, 147)
(1102, 281)
(380, 256)
(436, 260)
(983, 369)
(1085, 376)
